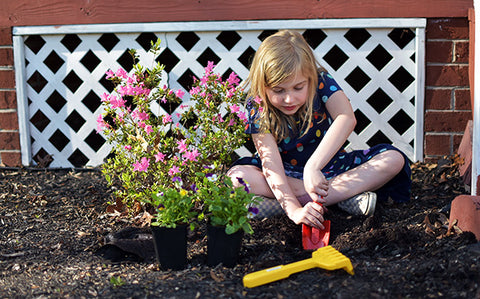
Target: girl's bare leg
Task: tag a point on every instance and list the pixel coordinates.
(369, 176)
(257, 182)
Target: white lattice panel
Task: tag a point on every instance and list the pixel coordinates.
(64, 75)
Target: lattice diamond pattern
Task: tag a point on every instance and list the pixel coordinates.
(65, 78)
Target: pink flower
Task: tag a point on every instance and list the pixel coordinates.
(257, 100)
(128, 147)
(148, 129)
(142, 165)
(117, 102)
(166, 119)
(242, 116)
(131, 80)
(125, 90)
(138, 90)
(110, 74)
(204, 80)
(191, 156)
(100, 124)
(140, 115)
(173, 170)
(230, 93)
(195, 90)
(159, 157)
(233, 79)
(105, 97)
(146, 91)
(121, 73)
(234, 108)
(231, 122)
(182, 147)
(209, 67)
(180, 93)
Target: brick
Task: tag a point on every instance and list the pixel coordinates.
(432, 159)
(439, 51)
(447, 28)
(438, 99)
(7, 79)
(11, 159)
(6, 36)
(9, 141)
(446, 121)
(437, 144)
(8, 99)
(8, 121)
(465, 211)
(6, 57)
(461, 52)
(462, 99)
(447, 75)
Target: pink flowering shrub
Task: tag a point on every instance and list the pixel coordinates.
(155, 152)
(221, 121)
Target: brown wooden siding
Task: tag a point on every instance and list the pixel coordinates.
(53, 12)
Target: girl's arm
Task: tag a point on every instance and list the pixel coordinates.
(342, 126)
(277, 180)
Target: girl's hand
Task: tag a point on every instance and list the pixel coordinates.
(315, 184)
(311, 214)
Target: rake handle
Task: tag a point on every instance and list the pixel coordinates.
(276, 273)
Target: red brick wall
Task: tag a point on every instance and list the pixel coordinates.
(9, 136)
(447, 94)
(447, 97)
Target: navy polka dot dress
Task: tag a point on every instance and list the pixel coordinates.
(295, 151)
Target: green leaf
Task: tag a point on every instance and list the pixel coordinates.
(230, 229)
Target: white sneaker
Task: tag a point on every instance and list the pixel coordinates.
(361, 204)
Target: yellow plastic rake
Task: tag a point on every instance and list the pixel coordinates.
(327, 258)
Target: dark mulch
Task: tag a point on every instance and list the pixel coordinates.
(53, 222)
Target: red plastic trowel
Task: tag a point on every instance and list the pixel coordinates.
(314, 238)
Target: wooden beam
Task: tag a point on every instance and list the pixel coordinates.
(60, 12)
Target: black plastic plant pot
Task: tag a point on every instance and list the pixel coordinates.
(221, 247)
(170, 246)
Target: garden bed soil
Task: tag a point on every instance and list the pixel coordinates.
(54, 224)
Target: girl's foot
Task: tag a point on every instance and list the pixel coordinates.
(361, 204)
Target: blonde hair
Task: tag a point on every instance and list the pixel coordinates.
(280, 56)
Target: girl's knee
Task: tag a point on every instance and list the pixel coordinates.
(245, 172)
(394, 160)
(235, 173)
(232, 171)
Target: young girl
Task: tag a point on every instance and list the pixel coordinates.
(299, 120)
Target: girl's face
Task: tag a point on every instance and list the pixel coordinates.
(289, 95)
